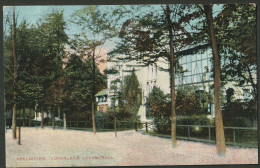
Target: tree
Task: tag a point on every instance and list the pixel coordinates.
(97, 28)
(78, 72)
(237, 44)
(220, 137)
(131, 97)
(15, 76)
(159, 108)
(55, 38)
(190, 101)
(153, 37)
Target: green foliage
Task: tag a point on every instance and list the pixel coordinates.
(78, 115)
(145, 37)
(190, 108)
(106, 120)
(131, 97)
(159, 107)
(236, 113)
(238, 43)
(194, 120)
(79, 87)
(29, 93)
(190, 101)
(111, 71)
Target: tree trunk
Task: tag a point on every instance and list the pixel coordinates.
(173, 115)
(58, 112)
(42, 117)
(19, 133)
(115, 126)
(15, 77)
(24, 115)
(5, 112)
(64, 121)
(220, 137)
(53, 118)
(93, 93)
(30, 116)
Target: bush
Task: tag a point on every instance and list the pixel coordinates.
(194, 120)
(190, 101)
(79, 116)
(106, 121)
(236, 113)
(159, 109)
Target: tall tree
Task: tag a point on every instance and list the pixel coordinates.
(154, 37)
(55, 38)
(97, 27)
(173, 115)
(15, 76)
(131, 96)
(237, 43)
(78, 72)
(220, 137)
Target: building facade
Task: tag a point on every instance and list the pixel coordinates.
(101, 99)
(197, 71)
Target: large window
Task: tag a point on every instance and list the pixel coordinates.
(196, 68)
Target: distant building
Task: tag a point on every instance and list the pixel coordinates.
(148, 77)
(101, 99)
(197, 72)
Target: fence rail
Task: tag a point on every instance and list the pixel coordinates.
(239, 136)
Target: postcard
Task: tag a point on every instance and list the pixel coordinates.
(130, 85)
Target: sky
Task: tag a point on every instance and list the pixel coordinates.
(34, 13)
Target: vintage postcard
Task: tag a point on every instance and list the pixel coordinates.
(130, 85)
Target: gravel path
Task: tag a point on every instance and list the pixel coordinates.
(47, 147)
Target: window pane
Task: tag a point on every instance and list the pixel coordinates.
(199, 76)
(188, 58)
(177, 81)
(189, 69)
(209, 64)
(210, 53)
(184, 60)
(188, 79)
(210, 76)
(194, 68)
(204, 64)
(184, 80)
(199, 65)
(205, 54)
(193, 57)
(199, 56)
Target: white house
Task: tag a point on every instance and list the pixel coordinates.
(197, 72)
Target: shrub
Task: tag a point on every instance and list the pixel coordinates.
(236, 113)
(190, 101)
(194, 120)
(159, 109)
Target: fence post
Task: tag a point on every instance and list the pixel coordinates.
(188, 132)
(77, 124)
(209, 132)
(234, 135)
(136, 126)
(146, 127)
